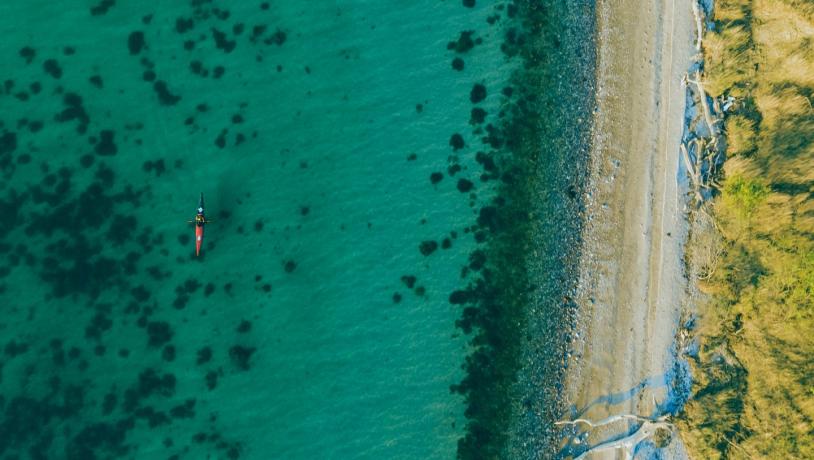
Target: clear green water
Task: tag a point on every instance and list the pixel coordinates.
(96, 252)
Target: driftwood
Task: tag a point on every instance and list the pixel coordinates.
(628, 444)
(699, 23)
(695, 175)
(702, 95)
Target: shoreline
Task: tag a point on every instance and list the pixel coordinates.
(632, 285)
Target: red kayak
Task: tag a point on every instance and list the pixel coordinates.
(200, 221)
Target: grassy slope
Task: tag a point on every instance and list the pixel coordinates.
(754, 391)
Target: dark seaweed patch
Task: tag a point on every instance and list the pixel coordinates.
(257, 32)
(241, 356)
(197, 68)
(98, 439)
(185, 410)
(277, 38)
(464, 42)
(8, 143)
(477, 260)
(135, 42)
(464, 185)
(52, 68)
(28, 53)
(289, 266)
(408, 280)
(102, 7)
(211, 380)
(164, 95)
(427, 247)
(150, 383)
(98, 324)
(478, 93)
(182, 25)
(478, 115)
(106, 146)
(436, 177)
(74, 110)
(222, 42)
(456, 141)
(13, 349)
(204, 356)
(120, 229)
(469, 3)
(244, 327)
(140, 293)
(220, 141)
(458, 64)
(154, 418)
(96, 81)
(159, 333)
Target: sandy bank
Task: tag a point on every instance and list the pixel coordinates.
(632, 284)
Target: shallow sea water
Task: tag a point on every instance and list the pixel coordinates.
(313, 131)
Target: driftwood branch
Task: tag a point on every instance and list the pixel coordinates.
(646, 430)
(699, 23)
(607, 421)
(629, 443)
(693, 172)
(702, 95)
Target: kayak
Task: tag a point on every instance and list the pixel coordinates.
(200, 222)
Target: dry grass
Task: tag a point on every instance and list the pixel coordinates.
(754, 390)
(740, 135)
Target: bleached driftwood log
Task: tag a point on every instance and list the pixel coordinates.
(646, 430)
(699, 23)
(693, 172)
(702, 95)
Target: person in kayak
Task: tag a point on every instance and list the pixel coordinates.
(200, 221)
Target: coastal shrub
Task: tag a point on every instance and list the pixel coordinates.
(744, 194)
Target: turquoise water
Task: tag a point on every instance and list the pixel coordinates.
(314, 130)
